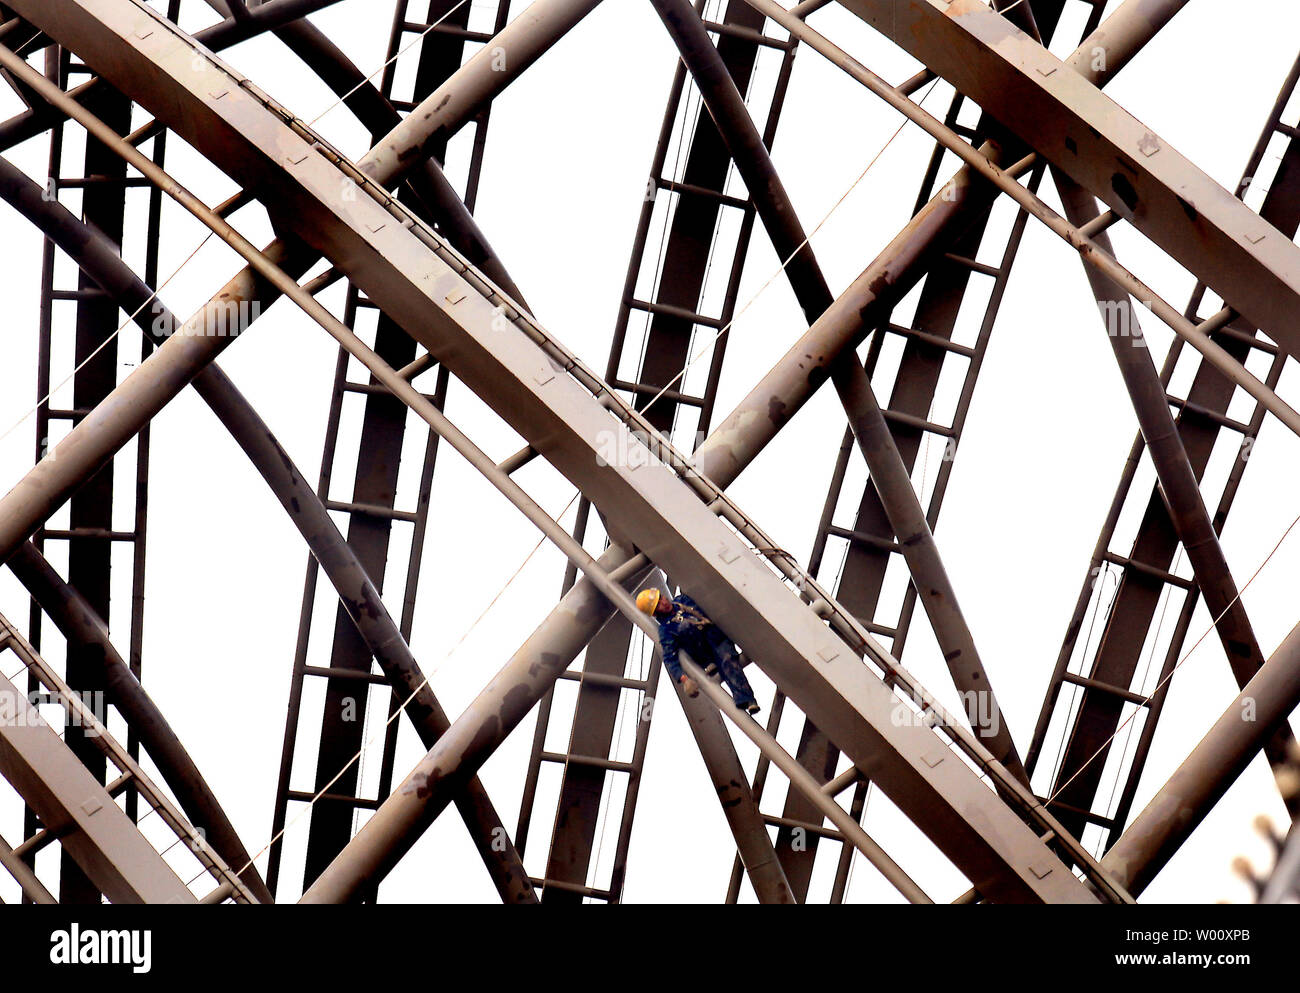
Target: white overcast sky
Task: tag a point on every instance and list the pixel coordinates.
(567, 157)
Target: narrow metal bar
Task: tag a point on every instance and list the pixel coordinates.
(803, 781)
(33, 889)
(1089, 250)
(1209, 770)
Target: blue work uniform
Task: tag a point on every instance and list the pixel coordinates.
(688, 629)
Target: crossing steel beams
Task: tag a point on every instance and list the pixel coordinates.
(693, 189)
(1104, 678)
(417, 279)
(1108, 151)
(401, 255)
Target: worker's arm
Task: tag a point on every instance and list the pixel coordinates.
(668, 645)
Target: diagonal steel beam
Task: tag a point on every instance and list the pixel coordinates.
(255, 20)
(727, 108)
(1249, 722)
(779, 217)
(1178, 480)
(806, 784)
(1078, 238)
(564, 410)
(33, 889)
(276, 13)
(1080, 130)
(98, 259)
(907, 519)
(753, 843)
(780, 394)
(92, 442)
(728, 775)
(75, 617)
(443, 205)
(73, 804)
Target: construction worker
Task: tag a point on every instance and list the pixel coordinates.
(683, 626)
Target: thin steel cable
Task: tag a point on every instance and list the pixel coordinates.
(1076, 691)
(105, 343)
(1255, 575)
(1165, 597)
(798, 248)
(853, 857)
(309, 805)
(313, 121)
(400, 52)
(1005, 10)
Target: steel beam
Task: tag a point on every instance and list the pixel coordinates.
(92, 442)
(808, 786)
(78, 712)
(731, 785)
(1255, 716)
(33, 889)
(1179, 485)
(356, 592)
(71, 803)
(780, 395)
(1254, 267)
(82, 627)
(781, 221)
(258, 19)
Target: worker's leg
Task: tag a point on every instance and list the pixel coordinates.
(734, 677)
(720, 645)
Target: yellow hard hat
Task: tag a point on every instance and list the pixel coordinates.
(648, 600)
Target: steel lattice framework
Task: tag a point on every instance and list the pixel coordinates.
(430, 306)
